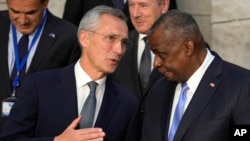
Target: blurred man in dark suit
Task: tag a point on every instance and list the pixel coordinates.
(50, 42)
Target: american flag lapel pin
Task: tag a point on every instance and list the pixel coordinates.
(212, 84)
(52, 35)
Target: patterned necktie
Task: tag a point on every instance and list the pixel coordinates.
(178, 111)
(22, 50)
(88, 110)
(145, 65)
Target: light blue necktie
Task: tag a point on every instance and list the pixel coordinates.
(178, 112)
(88, 110)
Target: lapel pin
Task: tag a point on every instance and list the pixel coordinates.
(212, 84)
(52, 35)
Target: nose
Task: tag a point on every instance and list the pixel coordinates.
(118, 48)
(23, 19)
(157, 62)
(135, 11)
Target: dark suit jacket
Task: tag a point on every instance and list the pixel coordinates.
(222, 99)
(127, 72)
(51, 52)
(47, 104)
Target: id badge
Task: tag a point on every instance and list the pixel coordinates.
(7, 105)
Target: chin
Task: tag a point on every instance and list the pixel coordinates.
(110, 70)
(141, 29)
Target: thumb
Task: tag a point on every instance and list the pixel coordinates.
(75, 122)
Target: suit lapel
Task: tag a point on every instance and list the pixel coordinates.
(201, 97)
(47, 38)
(109, 105)
(66, 93)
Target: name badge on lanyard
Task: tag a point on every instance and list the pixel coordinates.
(8, 103)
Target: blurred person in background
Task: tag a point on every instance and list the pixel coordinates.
(32, 39)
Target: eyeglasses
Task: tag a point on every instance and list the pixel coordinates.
(113, 39)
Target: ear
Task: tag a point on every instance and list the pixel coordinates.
(164, 6)
(189, 47)
(83, 38)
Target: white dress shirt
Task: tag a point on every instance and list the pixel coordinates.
(192, 83)
(83, 89)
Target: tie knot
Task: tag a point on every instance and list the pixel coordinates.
(92, 86)
(184, 86)
(145, 39)
(24, 38)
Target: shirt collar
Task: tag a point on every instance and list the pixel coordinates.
(82, 78)
(195, 79)
(141, 36)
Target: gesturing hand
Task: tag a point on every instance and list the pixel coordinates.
(86, 134)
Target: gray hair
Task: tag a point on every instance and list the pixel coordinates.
(90, 20)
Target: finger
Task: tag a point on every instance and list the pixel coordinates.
(75, 122)
(90, 130)
(92, 134)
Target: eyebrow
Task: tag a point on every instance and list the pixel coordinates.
(27, 12)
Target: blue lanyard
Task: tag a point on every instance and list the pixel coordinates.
(20, 65)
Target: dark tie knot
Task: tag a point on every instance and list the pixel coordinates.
(92, 86)
(24, 38)
(145, 39)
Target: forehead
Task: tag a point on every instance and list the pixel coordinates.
(161, 38)
(23, 4)
(110, 23)
(158, 35)
(144, 1)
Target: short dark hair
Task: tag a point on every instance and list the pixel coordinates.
(179, 25)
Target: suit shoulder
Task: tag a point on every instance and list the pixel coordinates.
(52, 73)
(237, 71)
(162, 82)
(4, 14)
(61, 24)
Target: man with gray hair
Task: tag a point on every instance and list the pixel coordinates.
(80, 102)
